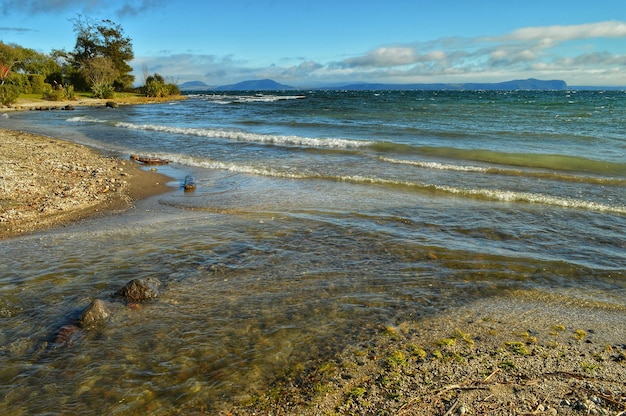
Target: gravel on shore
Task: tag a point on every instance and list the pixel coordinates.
(526, 353)
(46, 182)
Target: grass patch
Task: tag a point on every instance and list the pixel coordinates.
(417, 351)
(460, 335)
(446, 342)
(396, 359)
(557, 329)
(357, 392)
(589, 367)
(517, 347)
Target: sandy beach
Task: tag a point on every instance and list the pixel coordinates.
(516, 355)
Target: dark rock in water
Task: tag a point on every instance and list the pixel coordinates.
(111, 104)
(139, 290)
(190, 183)
(69, 107)
(67, 335)
(96, 314)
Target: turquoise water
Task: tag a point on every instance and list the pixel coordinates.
(318, 217)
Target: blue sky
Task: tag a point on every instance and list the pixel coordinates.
(310, 43)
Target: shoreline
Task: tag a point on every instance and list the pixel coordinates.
(522, 353)
(32, 104)
(47, 183)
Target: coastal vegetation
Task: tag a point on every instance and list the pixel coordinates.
(98, 64)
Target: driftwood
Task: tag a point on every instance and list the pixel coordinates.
(150, 160)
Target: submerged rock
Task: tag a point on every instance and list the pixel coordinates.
(139, 290)
(96, 314)
(67, 335)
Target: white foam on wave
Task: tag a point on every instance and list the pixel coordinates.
(249, 137)
(235, 167)
(512, 172)
(488, 194)
(260, 98)
(85, 119)
(497, 195)
(436, 165)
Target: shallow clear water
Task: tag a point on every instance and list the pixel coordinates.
(316, 220)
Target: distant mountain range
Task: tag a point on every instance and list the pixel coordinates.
(252, 85)
(255, 85)
(269, 85)
(520, 84)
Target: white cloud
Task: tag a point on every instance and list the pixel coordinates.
(552, 52)
(610, 29)
(385, 57)
(522, 53)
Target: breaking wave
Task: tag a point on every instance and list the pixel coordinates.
(504, 196)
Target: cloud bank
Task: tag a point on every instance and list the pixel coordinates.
(32, 7)
(573, 53)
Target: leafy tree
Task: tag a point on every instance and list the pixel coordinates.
(100, 71)
(20, 60)
(23, 70)
(103, 39)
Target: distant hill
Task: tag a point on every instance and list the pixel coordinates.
(269, 85)
(255, 85)
(193, 85)
(521, 84)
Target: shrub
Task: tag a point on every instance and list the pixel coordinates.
(27, 83)
(58, 92)
(156, 86)
(102, 90)
(8, 94)
(70, 94)
(173, 89)
(35, 84)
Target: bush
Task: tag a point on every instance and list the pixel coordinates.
(173, 89)
(157, 89)
(27, 83)
(102, 90)
(35, 84)
(8, 94)
(156, 86)
(58, 92)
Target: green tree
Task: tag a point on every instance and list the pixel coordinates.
(20, 60)
(103, 39)
(100, 72)
(23, 70)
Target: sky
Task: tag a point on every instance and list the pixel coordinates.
(311, 43)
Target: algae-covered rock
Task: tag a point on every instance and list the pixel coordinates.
(96, 314)
(139, 290)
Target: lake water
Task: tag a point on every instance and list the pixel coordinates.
(319, 216)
